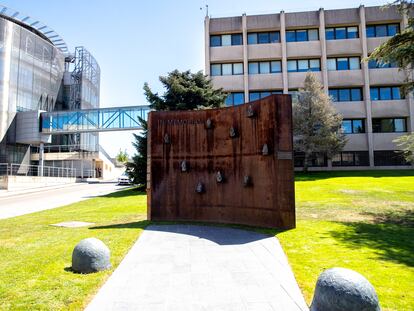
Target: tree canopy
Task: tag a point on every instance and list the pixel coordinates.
(316, 124)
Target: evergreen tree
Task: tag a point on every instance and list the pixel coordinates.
(406, 143)
(184, 91)
(316, 124)
(400, 48)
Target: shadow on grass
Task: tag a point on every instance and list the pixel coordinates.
(128, 225)
(311, 176)
(124, 193)
(391, 236)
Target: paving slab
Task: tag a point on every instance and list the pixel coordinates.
(191, 267)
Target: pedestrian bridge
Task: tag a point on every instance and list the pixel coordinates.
(93, 120)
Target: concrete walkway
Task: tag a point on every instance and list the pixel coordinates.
(188, 267)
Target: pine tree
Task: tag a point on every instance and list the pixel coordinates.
(137, 168)
(316, 124)
(406, 143)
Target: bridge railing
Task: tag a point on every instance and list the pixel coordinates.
(93, 120)
(14, 169)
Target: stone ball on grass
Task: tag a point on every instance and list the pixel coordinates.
(340, 289)
(90, 255)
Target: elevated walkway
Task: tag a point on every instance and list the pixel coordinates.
(93, 120)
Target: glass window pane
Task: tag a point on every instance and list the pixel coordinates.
(393, 29)
(357, 126)
(385, 93)
(252, 38)
(301, 35)
(263, 37)
(354, 63)
(381, 30)
(276, 66)
(334, 95)
(253, 68)
(356, 95)
(340, 33)
(274, 37)
(303, 65)
(290, 36)
(238, 69)
(344, 95)
(226, 40)
(342, 63)
(330, 34)
(387, 125)
(315, 65)
(372, 64)
(331, 64)
(292, 66)
(352, 32)
(347, 158)
(374, 93)
(264, 67)
(236, 39)
(313, 35)
(229, 100)
(264, 94)
(347, 126)
(396, 93)
(370, 31)
(215, 40)
(226, 69)
(254, 96)
(238, 98)
(216, 70)
(399, 125)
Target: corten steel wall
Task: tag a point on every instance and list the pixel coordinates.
(268, 200)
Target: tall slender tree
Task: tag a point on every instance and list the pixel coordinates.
(316, 124)
(183, 91)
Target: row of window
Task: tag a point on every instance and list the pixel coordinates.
(332, 33)
(379, 125)
(355, 94)
(353, 158)
(344, 63)
(303, 65)
(237, 98)
(265, 67)
(227, 69)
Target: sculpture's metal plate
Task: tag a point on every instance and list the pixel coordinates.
(267, 201)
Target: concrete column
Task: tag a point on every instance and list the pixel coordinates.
(322, 39)
(284, 52)
(245, 59)
(410, 99)
(41, 158)
(207, 45)
(365, 71)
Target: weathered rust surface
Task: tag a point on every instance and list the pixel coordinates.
(174, 191)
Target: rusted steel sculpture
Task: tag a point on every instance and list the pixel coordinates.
(229, 165)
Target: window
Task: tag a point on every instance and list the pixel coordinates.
(226, 40)
(344, 63)
(388, 158)
(226, 69)
(386, 93)
(303, 65)
(234, 99)
(353, 126)
(316, 159)
(302, 35)
(262, 94)
(372, 64)
(385, 30)
(263, 37)
(265, 67)
(351, 158)
(338, 33)
(389, 125)
(342, 95)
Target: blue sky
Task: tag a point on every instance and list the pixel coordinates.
(137, 41)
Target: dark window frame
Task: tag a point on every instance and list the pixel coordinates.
(374, 26)
(346, 32)
(261, 94)
(350, 94)
(269, 41)
(270, 67)
(307, 34)
(232, 39)
(363, 154)
(348, 60)
(232, 69)
(376, 123)
(353, 127)
(392, 87)
(297, 65)
(232, 103)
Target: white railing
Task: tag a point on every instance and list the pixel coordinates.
(13, 169)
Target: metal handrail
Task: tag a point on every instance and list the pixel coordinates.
(14, 169)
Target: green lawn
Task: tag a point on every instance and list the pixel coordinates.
(359, 220)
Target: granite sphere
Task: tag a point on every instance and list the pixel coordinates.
(340, 289)
(90, 255)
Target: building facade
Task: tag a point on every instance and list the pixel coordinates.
(254, 56)
(38, 73)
